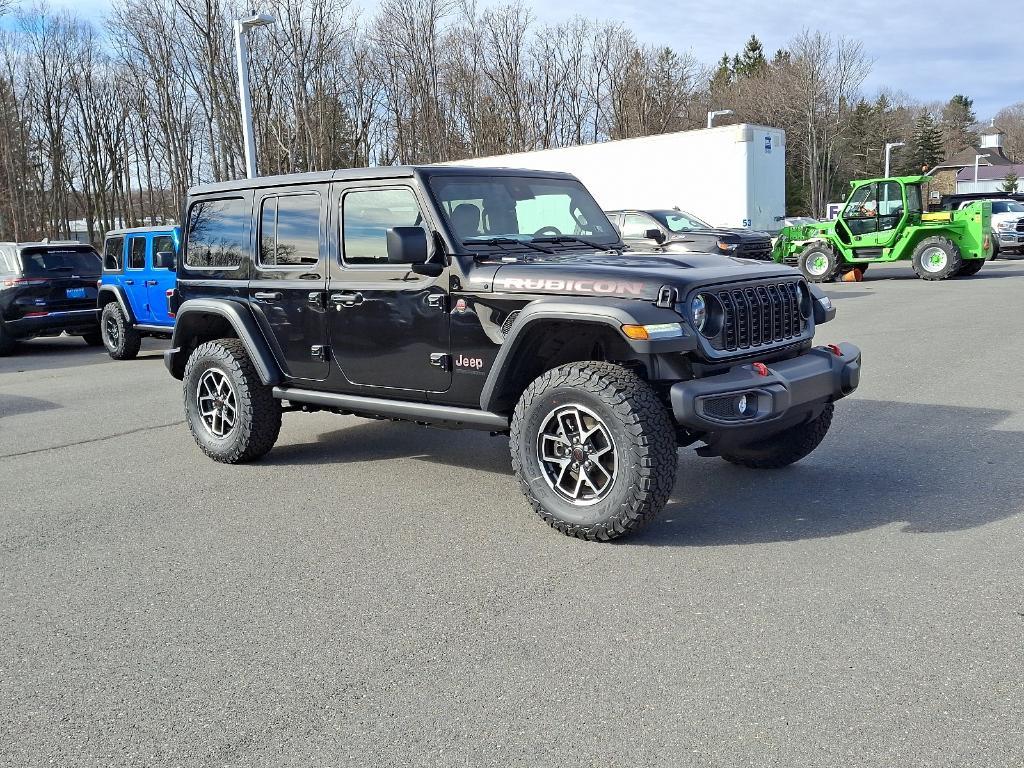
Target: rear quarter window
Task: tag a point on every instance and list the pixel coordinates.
(218, 233)
(113, 254)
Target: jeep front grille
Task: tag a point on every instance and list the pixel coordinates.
(759, 315)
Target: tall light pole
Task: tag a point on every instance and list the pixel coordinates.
(976, 159)
(242, 27)
(718, 113)
(888, 153)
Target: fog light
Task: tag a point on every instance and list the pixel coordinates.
(744, 406)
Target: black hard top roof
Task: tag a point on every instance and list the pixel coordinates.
(365, 174)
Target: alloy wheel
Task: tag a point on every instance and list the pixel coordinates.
(217, 403)
(577, 456)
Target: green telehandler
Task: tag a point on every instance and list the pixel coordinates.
(884, 220)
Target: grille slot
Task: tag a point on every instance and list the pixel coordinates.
(759, 315)
(1020, 225)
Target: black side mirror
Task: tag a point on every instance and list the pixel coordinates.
(656, 235)
(407, 245)
(164, 260)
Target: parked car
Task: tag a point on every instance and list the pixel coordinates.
(138, 279)
(499, 300)
(672, 231)
(1007, 224)
(46, 289)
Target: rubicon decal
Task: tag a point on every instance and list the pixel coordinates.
(555, 284)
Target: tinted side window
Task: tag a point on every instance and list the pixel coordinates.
(113, 252)
(137, 253)
(218, 233)
(290, 230)
(366, 216)
(635, 225)
(163, 243)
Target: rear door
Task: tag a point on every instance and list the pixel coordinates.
(135, 276)
(160, 281)
(286, 290)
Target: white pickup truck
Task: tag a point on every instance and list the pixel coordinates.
(1007, 224)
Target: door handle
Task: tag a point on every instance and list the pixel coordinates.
(346, 299)
(151, 282)
(129, 282)
(267, 295)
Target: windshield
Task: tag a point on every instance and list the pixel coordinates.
(1007, 206)
(482, 208)
(57, 261)
(680, 221)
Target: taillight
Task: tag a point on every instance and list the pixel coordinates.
(13, 281)
(170, 304)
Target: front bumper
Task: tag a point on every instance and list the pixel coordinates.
(742, 399)
(75, 320)
(1010, 239)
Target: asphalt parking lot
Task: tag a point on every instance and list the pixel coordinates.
(376, 594)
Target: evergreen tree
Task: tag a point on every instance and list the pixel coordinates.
(958, 119)
(1010, 182)
(723, 75)
(751, 60)
(926, 143)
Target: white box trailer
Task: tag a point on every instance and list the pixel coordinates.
(730, 176)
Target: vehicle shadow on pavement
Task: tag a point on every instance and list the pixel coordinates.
(929, 468)
(58, 353)
(384, 440)
(18, 405)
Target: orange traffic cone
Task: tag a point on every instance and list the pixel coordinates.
(853, 276)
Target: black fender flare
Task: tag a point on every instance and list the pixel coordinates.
(190, 315)
(612, 313)
(119, 296)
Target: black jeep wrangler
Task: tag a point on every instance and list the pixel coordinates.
(497, 300)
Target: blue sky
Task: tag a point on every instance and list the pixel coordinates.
(930, 51)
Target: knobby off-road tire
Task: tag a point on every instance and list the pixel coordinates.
(119, 337)
(785, 448)
(970, 267)
(617, 408)
(819, 263)
(233, 417)
(7, 342)
(936, 258)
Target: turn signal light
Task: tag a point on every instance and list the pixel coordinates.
(655, 331)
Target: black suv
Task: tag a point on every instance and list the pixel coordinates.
(498, 300)
(48, 288)
(674, 231)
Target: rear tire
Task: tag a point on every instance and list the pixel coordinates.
(233, 416)
(819, 263)
(936, 258)
(594, 450)
(7, 342)
(119, 337)
(785, 448)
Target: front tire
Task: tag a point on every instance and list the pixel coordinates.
(119, 336)
(594, 450)
(232, 415)
(936, 258)
(785, 448)
(819, 263)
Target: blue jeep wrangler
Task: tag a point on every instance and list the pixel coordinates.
(138, 279)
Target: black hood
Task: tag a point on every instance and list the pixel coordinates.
(633, 275)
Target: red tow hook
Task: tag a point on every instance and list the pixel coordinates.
(761, 369)
(834, 348)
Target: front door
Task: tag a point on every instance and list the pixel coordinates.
(635, 228)
(288, 280)
(160, 281)
(388, 325)
(872, 217)
(135, 276)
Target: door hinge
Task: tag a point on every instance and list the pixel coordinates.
(318, 299)
(438, 301)
(441, 360)
(318, 351)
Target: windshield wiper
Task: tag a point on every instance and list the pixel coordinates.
(507, 241)
(573, 239)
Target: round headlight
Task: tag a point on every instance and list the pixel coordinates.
(699, 311)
